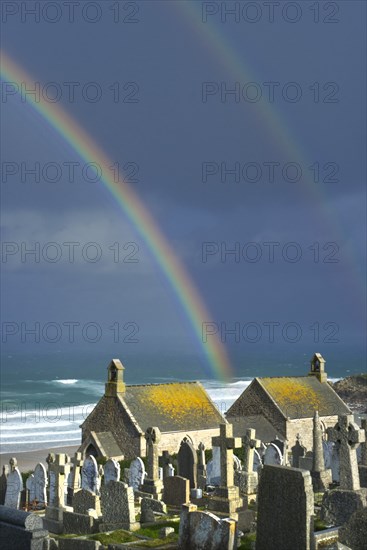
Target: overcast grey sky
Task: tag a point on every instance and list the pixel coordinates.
(245, 132)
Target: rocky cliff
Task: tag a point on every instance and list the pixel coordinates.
(353, 390)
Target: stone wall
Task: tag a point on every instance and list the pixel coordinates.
(256, 401)
(171, 440)
(110, 416)
(304, 427)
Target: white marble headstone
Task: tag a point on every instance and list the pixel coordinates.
(40, 480)
(213, 468)
(273, 455)
(136, 473)
(237, 465)
(31, 487)
(90, 474)
(111, 471)
(13, 489)
(257, 461)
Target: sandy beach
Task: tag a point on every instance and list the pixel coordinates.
(28, 460)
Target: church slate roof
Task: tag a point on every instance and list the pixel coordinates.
(300, 396)
(109, 444)
(179, 406)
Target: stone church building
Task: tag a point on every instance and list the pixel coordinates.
(116, 426)
(284, 407)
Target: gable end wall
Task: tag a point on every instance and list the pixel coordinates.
(255, 401)
(110, 416)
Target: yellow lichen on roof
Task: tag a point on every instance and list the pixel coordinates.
(177, 400)
(292, 394)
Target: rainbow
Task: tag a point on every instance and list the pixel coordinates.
(134, 209)
(279, 129)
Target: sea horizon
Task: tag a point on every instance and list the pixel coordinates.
(43, 402)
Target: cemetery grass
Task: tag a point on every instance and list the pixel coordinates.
(247, 541)
(121, 536)
(118, 536)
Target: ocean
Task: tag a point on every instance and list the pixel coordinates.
(45, 398)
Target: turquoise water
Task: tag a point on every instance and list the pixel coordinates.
(46, 397)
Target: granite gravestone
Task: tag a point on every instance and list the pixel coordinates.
(285, 507)
(136, 473)
(205, 531)
(87, 503)
(176, 491)
(187, 462)
(117, 504)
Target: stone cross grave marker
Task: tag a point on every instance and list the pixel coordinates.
(249, 444)
(77, 462)
(321, 478)
(90, 474)
(187, 462)
(347, 436)
(298, 451)
(111, 470)
(136, 473)
(152, 483)
(153, 437)
(226, 443)
(14, 485)
(58, 470)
